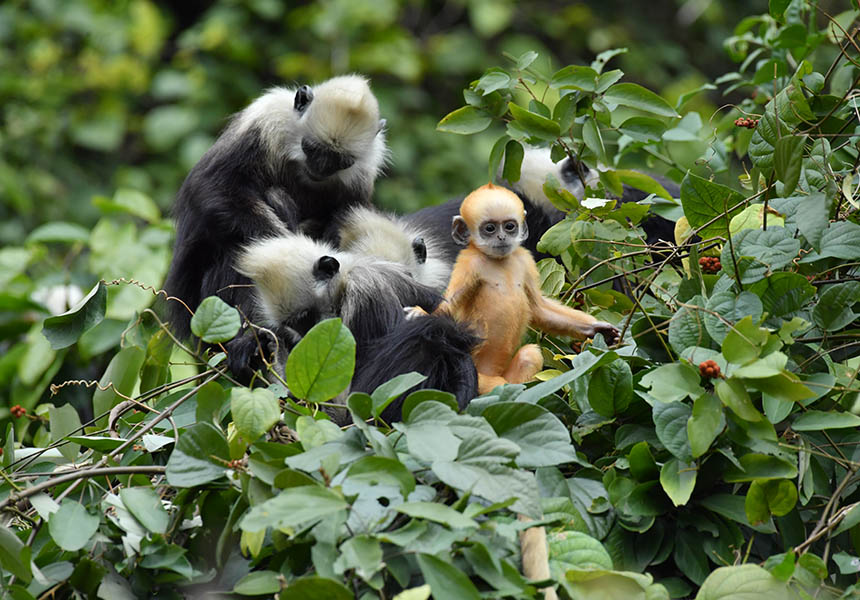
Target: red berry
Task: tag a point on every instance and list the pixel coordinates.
(709, 369)
(18, 411)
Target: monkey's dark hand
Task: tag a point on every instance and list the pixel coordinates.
(609, 332)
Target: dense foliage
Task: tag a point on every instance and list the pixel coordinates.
(713, 453)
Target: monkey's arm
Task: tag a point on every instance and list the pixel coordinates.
(555, 318)
(465, 282)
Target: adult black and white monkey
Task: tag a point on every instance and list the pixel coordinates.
(571, 174)
(422, 252)
(300, 281)
(291, 161)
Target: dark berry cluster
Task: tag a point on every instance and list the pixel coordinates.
(709, 369)
(710, 264)
(745, 122)
(18, 411)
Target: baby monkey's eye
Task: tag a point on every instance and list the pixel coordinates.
(511, 226)
(489, 227)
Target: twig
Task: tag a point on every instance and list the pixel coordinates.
(16, 497)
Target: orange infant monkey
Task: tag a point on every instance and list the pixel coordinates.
(496, 287)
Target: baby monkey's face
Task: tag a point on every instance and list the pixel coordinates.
(498, 238)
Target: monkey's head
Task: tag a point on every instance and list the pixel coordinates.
(296, 279)
(341, 132)
(493, 219)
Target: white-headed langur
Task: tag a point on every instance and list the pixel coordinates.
(495, 287)
(368, 231)
(300, 281)
(291, 161)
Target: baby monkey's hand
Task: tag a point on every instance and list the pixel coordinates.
(413, 312)
(609, 332)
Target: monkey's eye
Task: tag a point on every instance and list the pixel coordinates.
(489, 228)
(511, 226)
(304, 95)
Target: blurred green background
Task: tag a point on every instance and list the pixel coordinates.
(97, 95)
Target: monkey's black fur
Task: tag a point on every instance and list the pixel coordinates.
(388, 344)
(435, 346)
(229, 198)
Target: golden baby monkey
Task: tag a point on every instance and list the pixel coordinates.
(495, 286)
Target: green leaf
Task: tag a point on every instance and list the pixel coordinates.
(704, 201)
(419, 396)
(592, 138)
(839, 240)
(292, 507)
(130, 202)
(673, 382)
(492, 80)
(575, 77)
(777, 8)
(730, 307)
(774, 247)
(514, 154)
(811, 218)
(755, 504)
(788, 160)
(254, 411)
(734, 394)
(783, 294)
(670, 421)
(543, 440)
(687, 327)
(15, 555)
(497, 153)
(145, 505)
(705, 424)
(744, 342)
(378, 470)
(642, 464)
(610, 388)
(440, 513)
(258, 583)
(817, 420)
(744, 582)
(64, 420)
(59, 231)
(534, 124)
(834, 308)
(118, 381)
(644, 129)
(465, 121)
(215, 321)
(446, 581)
(576, 550)
(65, 329)
(847, 563)
(321, 365)
(760, 466)
(781, 496)
(71, 527)
(386, 393)
(200, 456)
(165, 126)
(643, 182)
(636, 96)
(678, 480)
(361, 553)
(316, 588)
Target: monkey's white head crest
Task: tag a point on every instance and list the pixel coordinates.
(333, 126)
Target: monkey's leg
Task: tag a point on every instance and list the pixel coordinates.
(486, 382)
(535, 556)
(525, 364)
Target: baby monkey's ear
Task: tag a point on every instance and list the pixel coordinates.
(524, 229)
(460, 231)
